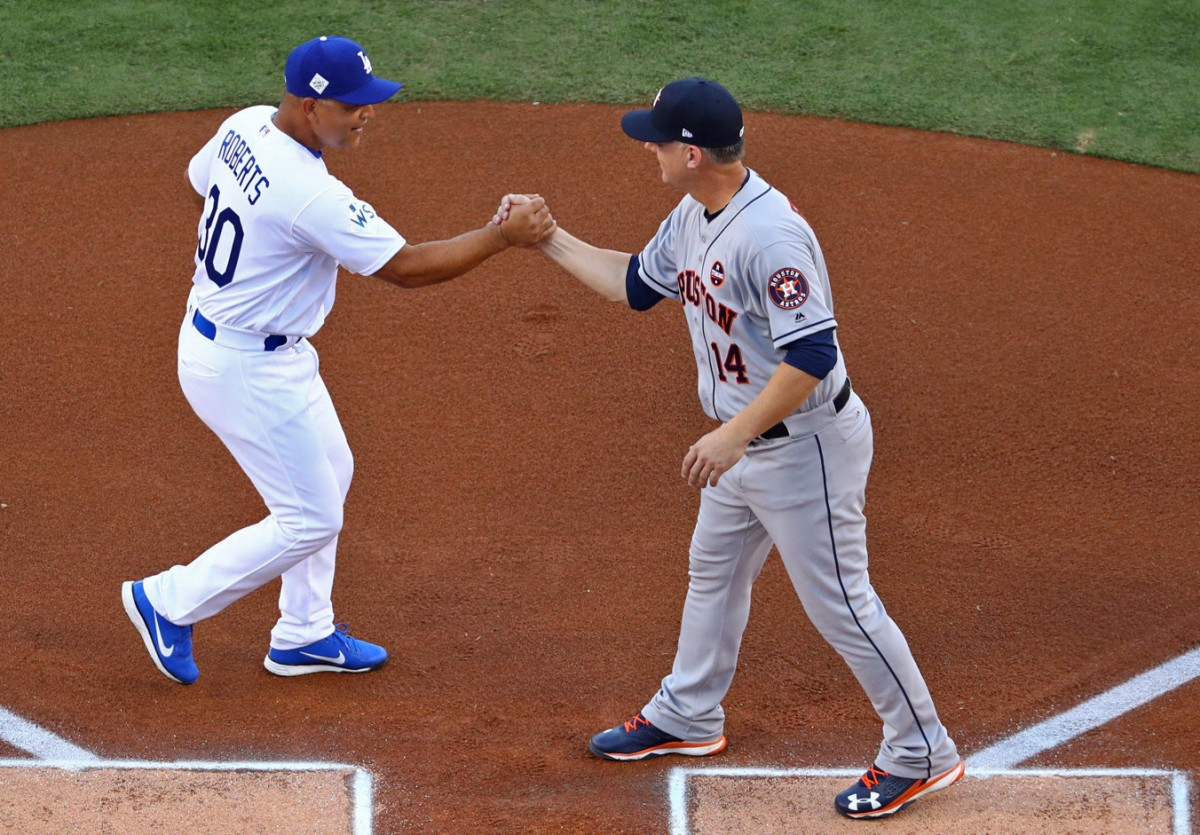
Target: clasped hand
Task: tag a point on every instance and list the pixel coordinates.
(524, 219)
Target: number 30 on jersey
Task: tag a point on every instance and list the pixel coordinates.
(219, 224)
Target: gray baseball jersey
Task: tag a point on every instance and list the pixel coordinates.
(752, 280)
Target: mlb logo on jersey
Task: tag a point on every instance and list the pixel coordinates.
(788, 288)
(716, 276)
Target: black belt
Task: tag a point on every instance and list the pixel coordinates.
(840, 400)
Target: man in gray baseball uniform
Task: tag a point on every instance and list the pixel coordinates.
(788, 465)
(275, 227)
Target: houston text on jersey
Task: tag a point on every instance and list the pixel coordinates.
(692, 289)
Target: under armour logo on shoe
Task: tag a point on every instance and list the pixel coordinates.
(853, 802)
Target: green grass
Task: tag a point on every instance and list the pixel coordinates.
(1121, 77)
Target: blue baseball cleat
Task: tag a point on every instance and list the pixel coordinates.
(170, 646)
(878, 794)
(638, 739)
(338, 653)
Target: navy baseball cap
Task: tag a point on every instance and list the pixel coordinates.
(694, 111)
(335, 68)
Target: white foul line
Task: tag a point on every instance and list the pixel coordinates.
(1181, 793)
(364, 802)
(1091, 714)
(23, 734)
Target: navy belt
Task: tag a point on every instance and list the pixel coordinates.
(840, 400)
(237, 339)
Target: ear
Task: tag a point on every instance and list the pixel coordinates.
(695, 155)
(309, 106)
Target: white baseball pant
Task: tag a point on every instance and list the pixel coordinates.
(273, 412)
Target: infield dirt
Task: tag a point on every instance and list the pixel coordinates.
(1020, 322)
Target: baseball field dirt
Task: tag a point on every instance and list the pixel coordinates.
(1021, 323)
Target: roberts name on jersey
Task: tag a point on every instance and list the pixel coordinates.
(235, 152)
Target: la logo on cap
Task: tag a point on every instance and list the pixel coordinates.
(337, 68)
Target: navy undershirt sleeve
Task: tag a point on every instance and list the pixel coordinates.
(815, 354)
(639, 293)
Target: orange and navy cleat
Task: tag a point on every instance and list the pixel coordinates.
(638, 739)
(878, 794)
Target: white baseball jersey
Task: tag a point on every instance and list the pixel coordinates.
(752, 281)
(275, 227)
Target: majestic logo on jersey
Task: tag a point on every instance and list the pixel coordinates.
(716, 276)
(788, 288)
(318, 83)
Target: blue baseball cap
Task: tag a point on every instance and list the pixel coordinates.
(335, 68)
(694, 111)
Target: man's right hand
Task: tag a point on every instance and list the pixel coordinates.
(524, 219)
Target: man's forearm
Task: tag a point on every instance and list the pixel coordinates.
(603, 270)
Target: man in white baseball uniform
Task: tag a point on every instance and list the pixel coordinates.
(788, 465)
(274, 228)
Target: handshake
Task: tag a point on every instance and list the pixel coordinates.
(524, 219)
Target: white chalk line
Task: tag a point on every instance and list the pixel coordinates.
(362, 791)
(55, 752)
(1093, 713)
(363, 786)
(33, 739)
(680, 822)
(1000, 758)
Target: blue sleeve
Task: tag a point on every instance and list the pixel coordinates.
(815, 354)
(641, 296)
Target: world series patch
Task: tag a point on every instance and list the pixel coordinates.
(788, 288)
(716, 276)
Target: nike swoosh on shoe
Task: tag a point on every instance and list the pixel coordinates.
(164, 650)
(341, 657)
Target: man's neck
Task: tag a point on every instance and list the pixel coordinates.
(719, 187)
(290, 119)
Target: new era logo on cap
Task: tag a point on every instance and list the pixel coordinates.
(693, 110)
(335, 68)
